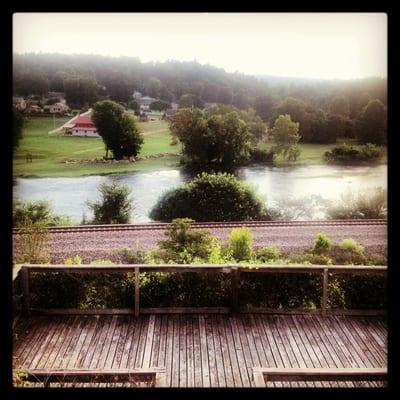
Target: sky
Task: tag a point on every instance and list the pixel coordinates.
(309, 45)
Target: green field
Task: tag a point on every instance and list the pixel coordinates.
(49, 151)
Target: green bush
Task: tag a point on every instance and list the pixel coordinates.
(241, 244)
(185, 245)
(345, 154)
(269, 253)
(261, 156)
(349, 252)
(352, 246)
(369, 204)
(39, 211)
(132, 255)
(210, 197)
(322, 244)
(114, 206)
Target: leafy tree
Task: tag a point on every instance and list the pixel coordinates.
(340, 106)
(240, 244)
(57, 81)
(264, 106)
(335, 127)
(225, 95)
(114, 205)
(153, 87)
(18, 124)
(160, 105)
(80, 90)
(117, 129)
(134, 105)
(286, 136)
(210, 197)
(190, 100)
(371, 123)
(216, 141)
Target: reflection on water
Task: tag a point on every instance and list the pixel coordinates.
(69, 195)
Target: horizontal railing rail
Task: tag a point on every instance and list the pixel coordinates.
(263, 375)
(235, 271)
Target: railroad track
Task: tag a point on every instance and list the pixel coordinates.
(210, 225)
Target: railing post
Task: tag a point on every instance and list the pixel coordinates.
(25, 291)
(325, 291)
(137, 291)
(234, 289)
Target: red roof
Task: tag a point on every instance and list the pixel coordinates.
(84, 122)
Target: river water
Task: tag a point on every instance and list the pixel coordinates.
(68, 196)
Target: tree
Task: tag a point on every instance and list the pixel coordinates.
(216, 141)
(340, 106)
(117, 129)
(225, 95)
(18, 124)
(80, 90)
(286, 136)
(190, 100)
(371, 123)
(153, 87)
(335, 127)
(210, 197)
(134, 105)
(264, 106)
(114, 205)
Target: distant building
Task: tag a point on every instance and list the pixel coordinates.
(33, 109)
(174, 106)
(82, 126)
(145, 101)
(136, 95)
(19, 103)
(56, 108)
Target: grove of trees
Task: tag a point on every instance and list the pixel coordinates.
(321, 108)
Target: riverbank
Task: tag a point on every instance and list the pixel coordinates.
(52, 154)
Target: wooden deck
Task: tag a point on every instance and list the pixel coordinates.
(204, 350)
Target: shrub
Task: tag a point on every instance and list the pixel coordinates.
(134, 254)
(114, 206)
(210, 197)
(345, 154)
(32, 246)
(262, 156)
(269, 253)
(369, 204)
(185, 245)
(37, 212)
(241, 244)
(322, 244)
(351, 245)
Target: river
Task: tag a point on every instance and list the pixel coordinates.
(68, 196)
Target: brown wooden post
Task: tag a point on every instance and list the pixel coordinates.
(234, 289)
(137, 291)
(25, 291)
(325, 291)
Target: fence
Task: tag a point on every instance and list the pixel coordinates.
(235, 271)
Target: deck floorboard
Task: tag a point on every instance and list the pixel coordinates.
(204, 350)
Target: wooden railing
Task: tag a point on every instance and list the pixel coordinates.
(263, 375)
(235, 271)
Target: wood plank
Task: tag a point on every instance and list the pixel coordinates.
(377, 333)
(189, 350)
(182, 352)
(211, 352)
(257, 341)
(20, 342)
(227, 364)
(169, 350)
(107, 343)
(236, 373)
(156, 341)
(244, 374)
(185, 310)
(198, 375)
(114, 342)
(141, 342)
(163, 340)
(129, 345)
(204, 353)
(175, 353)
(218, 352)
(149, 342)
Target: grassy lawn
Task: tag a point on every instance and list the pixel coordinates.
(49, 151)
(311, 154)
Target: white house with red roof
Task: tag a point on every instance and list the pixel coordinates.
(81, 126)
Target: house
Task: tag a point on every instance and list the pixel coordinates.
(174, 106)
(136, 95)
(56, 108)
(81, 126)
(145, 101)
(33, 109)
(19, 103)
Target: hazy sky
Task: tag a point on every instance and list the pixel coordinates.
(330, 45)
